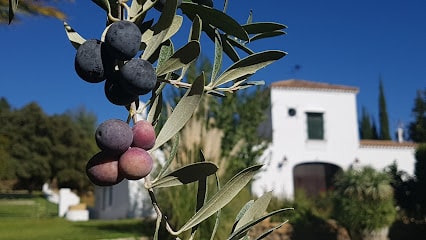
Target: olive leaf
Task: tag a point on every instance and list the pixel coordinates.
(136, 7)
(242, 211)
(248, 65)
(147, 36)
(266, 35)
(257, 209)
(173, 151)
(215, 18)
(166, 51)
(218, 56)
(226, 46)
(269, 231)
(186, 174)
(217, 219)
(239, 45)
(201, 191)
(196, 29)
(221, 198)
(262, 27)
(181, 58)
(13, 5)
(182, 112)
(156, 107)
(75, 38)
(160, 29)
(242, 231)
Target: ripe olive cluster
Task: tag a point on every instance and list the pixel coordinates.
(123, 149)
(114, 60)
(123, 152)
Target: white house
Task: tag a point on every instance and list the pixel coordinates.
(315, 134)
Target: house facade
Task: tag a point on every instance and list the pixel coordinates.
(314, 135)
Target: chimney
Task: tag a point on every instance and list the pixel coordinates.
(400, 133)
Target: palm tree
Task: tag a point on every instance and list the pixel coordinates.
(364, 202)
(32, 7)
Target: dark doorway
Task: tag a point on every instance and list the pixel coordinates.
(314, 177)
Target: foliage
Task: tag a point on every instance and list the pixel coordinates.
(38, 148)
(417, 128)
(230, 38)
(404, 191)
(363, 200)
(383, 114)
(420, 173)
(233, 120)
(367, 129)
(309, 219)
(44, 8)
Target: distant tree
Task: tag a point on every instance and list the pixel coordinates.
(374, 130)
(239, 115)
(72, 145)
(417, 128)
(383, 114)
(83, 118)
(4, 104)
(365, 127)
(36, 148)
(420, 173)
(30, 146)
(404, 190)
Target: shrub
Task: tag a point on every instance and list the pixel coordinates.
(363, 201)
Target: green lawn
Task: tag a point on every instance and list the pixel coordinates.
(57, 228)
(35, 218)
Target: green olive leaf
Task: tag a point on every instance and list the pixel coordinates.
(248, 65)
(262, 27)
(239, 45)
(242, 211)
(256, 210)
(173, 151)
(182, 112)
(182, 57)
(242, 231)
(266, 35)
(201, 191)
(269, 231)
(136, 7)
(75, 38)
(222, 197)
(218, 56)
(216, 18)
(186, 174)
(196, 29)
(160, 29)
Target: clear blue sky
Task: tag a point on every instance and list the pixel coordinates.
(344, 42)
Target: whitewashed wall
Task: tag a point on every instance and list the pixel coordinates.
(290, 145)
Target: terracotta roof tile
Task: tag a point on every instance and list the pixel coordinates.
(386, 143)
(303, 84)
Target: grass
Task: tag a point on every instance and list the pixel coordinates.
(32, 217)
(58, 228)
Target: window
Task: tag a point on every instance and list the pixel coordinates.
(315, 122)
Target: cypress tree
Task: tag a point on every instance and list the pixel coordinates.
(365, 129)
(417, 128)
(383, 114)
